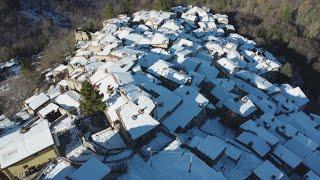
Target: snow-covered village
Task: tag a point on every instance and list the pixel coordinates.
(183, 96)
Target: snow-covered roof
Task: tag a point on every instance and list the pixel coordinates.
(287, 156)
(283, 104)
(257, 62)
(126, 51)
(211, 146)
(159, 40)
(123, 32)
(302, 143)
(78, 60)
(190, 64)
(37, 101)
(6, 123)
(98, 76)
(263, 104)
(114, 103)
(63, 83)
(133, 38)
(174, 162)
(170, 24)
(58, 170)
(296, 95)
(277, 126)
(93, 66)
(107, 86)
(233, 152)
(197, 78)
(64, 124)
(108, 138)
(228, 65)
(268, 171)
(92, 169)
(227, 84)
(214, 47)
(135, 121)
(48, 109)
(165, 99)
(133, 92)
(60, 68)
(254, 142)
(248, 88)
(146, 103)
(22, 115)
(257, 81)
(305, 148)
(193, 101)
(164, 69)
(76, 73)
(69, 99)
(123, 78)
(310, 175)
(260, 131)
(222, 93)
(209, 71)
(244, 106)
(54, 91)
(108, 39)
(303, 123)
(17, 146)
(126, 63)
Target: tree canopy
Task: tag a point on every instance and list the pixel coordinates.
(164, 5)
(108, 11)
(127, 7)
(287, 70)
(91, 100)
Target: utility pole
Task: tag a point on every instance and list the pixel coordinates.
(150, 154)
(190, 163)
(155, 109)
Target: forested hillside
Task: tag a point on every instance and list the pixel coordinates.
(288, 28)
(38, 34)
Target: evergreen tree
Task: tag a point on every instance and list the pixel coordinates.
(109, 11)
(287, 70)
(164, 5)
(91, 100)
